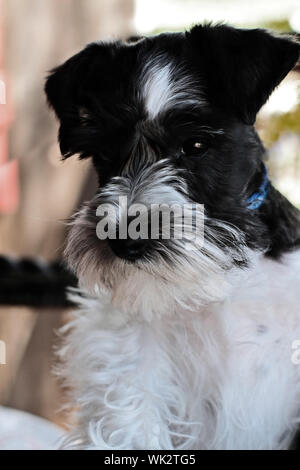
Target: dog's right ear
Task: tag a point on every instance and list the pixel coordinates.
(67, 93)
(65, 83)
(80, 90)
(63, 90)
(62, 83)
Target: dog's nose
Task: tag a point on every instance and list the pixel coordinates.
(129, 249)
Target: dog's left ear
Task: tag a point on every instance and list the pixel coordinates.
(241, 67)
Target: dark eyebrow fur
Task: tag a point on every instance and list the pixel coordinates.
(188, 121)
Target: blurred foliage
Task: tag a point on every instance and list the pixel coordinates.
(282, 123)
(282, 25)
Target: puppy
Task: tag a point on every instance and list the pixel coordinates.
(180, 342)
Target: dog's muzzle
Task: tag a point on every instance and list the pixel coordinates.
(130, 249)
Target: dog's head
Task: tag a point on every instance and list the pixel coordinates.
(169, 120)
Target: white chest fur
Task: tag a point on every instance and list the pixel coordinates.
(219, 378)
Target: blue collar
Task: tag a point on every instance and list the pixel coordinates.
(257, 198)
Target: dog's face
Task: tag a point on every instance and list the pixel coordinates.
(169, 119)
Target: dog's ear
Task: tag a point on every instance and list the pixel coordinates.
(64, 83)
(241, 67)
(66, 90)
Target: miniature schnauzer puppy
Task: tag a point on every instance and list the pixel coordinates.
(180, 342)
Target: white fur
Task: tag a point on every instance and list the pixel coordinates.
(218, 376)
(198, 273)
(164, 85)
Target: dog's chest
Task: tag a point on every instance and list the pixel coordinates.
(246, 345)
(201, 375)
(237, 358)
(264, 312)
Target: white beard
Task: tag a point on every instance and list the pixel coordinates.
(217, 375)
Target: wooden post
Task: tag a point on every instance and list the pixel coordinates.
(40, 35)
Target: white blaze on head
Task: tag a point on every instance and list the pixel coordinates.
(157, 90)
(164, 85)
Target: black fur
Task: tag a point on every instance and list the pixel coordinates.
(241, 66)
(33, 283)
(101, 116)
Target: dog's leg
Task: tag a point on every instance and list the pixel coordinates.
(141, 385)
(124, 383)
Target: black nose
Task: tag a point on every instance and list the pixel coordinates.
(129, 249)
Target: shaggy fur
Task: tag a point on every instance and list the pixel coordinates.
(220, 377)
(181, 343)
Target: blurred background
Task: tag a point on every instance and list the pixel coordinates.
(38, 192)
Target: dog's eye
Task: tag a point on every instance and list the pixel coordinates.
(193, 147)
